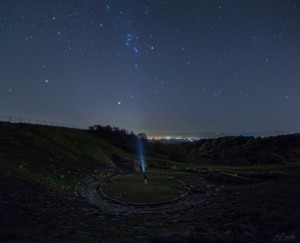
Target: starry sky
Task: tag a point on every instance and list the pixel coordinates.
(156, 66)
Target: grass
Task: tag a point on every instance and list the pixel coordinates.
(158, 188)
(55, 156)
(61, 157)
(58, 157)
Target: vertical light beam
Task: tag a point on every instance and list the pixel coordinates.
(141, 155)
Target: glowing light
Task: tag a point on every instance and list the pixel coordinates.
(141, 154)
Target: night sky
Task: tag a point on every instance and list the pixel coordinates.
(160, 67)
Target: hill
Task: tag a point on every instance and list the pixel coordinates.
(55, 156)
(70, 185)
(248, 150)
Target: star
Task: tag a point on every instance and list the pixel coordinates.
(131, 41)
(217, 94)
(135, 50)
(134, 54)
(29, 38)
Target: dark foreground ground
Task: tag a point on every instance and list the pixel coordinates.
(41, 167)
(255, 212)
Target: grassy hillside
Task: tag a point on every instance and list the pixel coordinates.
(55, 156)
(248, 150)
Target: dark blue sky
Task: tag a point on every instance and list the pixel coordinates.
(162, 67)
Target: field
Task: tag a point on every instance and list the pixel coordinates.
(158, 189)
